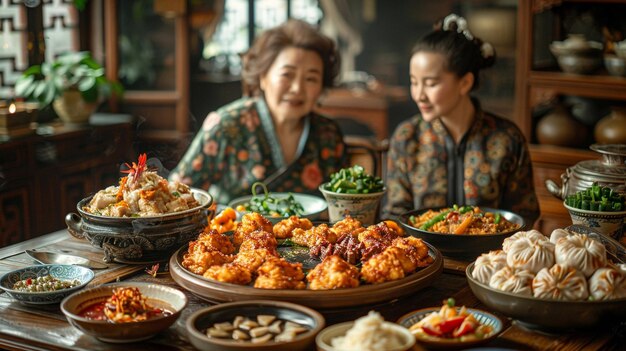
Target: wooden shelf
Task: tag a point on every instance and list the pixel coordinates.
(599, 86)
(533, 86)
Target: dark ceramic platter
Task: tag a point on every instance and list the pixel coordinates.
(218, 292)
(465, 247)
(553, 315)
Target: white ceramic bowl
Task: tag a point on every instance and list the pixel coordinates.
(615, 65)
(325, 337)
(364, 207)
(313, 205)
(157, 295)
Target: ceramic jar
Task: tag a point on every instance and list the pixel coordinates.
(612, 128)
(610, 171)
(560, 128)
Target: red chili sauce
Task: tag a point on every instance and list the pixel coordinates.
(96, 312)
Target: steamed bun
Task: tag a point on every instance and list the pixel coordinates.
(560, 283)
(533, 235)
(530, 255)
(608, 283)
(517, 281)
(487, 264)
(581, 252)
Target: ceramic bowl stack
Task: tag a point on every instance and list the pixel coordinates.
(577, 55)
(616, 64)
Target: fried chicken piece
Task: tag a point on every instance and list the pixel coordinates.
(250, 222)
(229, 273)
(391, 264)
(259, 239)
(216, 241)
(348, 225)
(378, 231)
(333, 273)
(200, 257)
(415, 250)
(314, 236)
(394, 227)
(252, 260)
(283, 229)
(277, 273)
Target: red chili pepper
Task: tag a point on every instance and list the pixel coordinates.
(434, 331)
(451, 324)
(29, 281)
(466, 327)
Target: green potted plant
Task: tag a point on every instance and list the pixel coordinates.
(74, 83)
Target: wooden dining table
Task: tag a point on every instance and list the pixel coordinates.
(44, 327)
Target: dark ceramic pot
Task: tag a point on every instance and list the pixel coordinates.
(463, 247)
(140, 239)
(610, 171)
(560, 128)
(612, 128)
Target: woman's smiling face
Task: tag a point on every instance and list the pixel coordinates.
(293, 83)
(435, 90)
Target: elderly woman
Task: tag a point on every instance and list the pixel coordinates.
(454, 152)
(271, 134)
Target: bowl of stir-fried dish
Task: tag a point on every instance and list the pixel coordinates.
(143, 219)
(124, 312)
(462, 231)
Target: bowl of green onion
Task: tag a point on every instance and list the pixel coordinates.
(353, 192)
(600, 208)
(276, 206)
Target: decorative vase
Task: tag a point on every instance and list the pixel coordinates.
(612, 128)
(72, 108)
(560, 128)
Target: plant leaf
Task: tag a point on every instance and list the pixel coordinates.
(86, 83)
(24, 86)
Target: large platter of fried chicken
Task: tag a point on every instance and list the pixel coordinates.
(324, 266)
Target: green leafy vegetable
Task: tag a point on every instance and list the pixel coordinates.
(354, 180)
(273, 206)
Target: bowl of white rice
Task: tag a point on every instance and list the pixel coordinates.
(368, 333)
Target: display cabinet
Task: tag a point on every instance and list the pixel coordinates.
(43, 176)
(539, 80)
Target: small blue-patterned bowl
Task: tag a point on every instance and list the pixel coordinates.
(59, 271)
(607, 223)
(438, 343)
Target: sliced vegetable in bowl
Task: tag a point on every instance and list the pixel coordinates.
(450, 325)
(597, 198)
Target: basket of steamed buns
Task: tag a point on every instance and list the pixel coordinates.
(568, 280)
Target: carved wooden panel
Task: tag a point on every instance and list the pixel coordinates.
(15, 212)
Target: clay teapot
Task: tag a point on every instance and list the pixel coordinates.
(610, 171)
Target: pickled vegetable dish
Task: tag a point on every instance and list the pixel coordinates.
(450, 323)
(44, 284)
(463, 220)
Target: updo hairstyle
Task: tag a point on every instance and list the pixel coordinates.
(463, 52)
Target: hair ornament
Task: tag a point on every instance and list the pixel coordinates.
(486, 50)
(452, 20)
